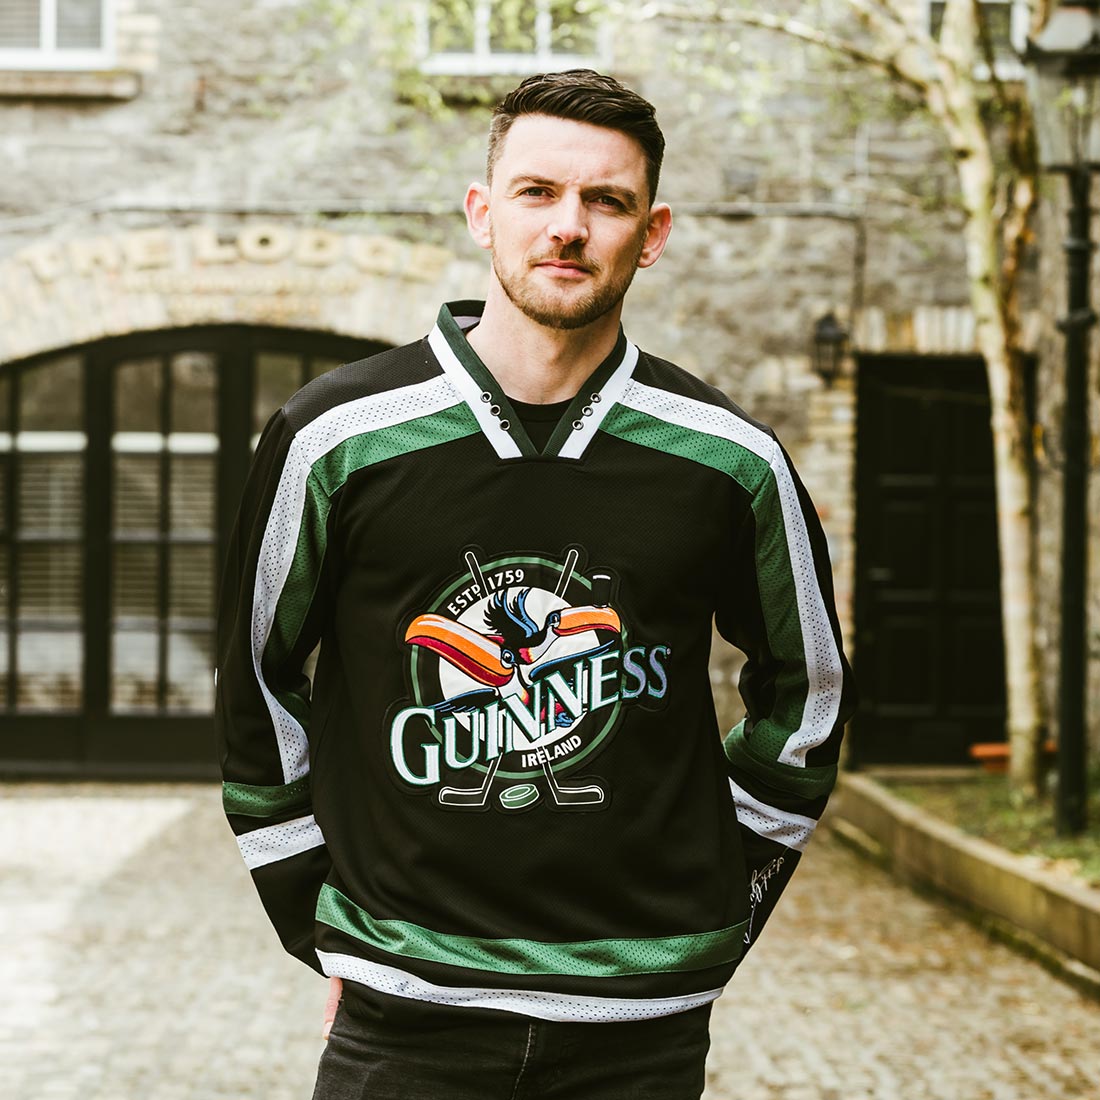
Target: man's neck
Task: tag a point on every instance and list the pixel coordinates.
(534, 363)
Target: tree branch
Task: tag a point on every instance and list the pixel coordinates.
(889, 63)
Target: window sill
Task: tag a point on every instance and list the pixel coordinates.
(106, 84)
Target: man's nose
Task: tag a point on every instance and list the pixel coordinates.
(569, 222)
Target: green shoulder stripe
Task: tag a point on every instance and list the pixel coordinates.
(327, 475)
(775, 578)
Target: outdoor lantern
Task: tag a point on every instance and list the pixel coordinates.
(1063, 81)
(830, 336)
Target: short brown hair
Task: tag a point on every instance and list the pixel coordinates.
(582, 95)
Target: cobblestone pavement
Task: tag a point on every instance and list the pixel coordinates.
(137, 965)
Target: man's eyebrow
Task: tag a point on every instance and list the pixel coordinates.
(628, 197)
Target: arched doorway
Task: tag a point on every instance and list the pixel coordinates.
(121, 464)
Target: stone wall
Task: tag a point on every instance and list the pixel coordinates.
(244, 165)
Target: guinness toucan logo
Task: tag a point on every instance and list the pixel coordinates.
(520, 668)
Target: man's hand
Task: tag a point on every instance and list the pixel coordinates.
(335, 989)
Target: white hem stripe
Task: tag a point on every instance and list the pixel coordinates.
(563, 1007)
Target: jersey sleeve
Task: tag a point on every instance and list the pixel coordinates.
(796, 684)
(272, 608)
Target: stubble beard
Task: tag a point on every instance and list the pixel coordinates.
(562, 311)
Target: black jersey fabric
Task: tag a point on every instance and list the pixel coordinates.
(505, 786)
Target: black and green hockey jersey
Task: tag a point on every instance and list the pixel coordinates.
(505, 786)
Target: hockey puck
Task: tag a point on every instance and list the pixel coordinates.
(520, 796)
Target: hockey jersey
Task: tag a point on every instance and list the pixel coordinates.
(504, 785)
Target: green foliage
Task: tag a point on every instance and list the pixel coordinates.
(988, 807)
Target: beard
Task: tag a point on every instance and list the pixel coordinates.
(562, 309)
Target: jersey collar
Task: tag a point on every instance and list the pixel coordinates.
(490, 405)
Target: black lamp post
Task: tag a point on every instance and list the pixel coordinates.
(1063, 74)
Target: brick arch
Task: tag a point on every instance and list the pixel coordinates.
(71, 290)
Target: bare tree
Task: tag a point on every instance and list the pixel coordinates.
(988, 127)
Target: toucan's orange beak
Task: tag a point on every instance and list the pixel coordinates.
(466, 649)
(576, 620)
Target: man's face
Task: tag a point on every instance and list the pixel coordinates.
(567, 219)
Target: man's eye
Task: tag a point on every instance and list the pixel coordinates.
(534, 192)
(609, 200)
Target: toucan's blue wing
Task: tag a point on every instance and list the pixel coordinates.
(468, 700)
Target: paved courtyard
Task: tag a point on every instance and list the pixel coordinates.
(137, 965)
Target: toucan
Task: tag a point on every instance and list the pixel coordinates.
(516, 640)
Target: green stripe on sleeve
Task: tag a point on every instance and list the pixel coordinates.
(774, 576)
(586, 958)
(806, 782)
(327, 475)
(249, 801)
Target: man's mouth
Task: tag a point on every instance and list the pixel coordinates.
(564, 266)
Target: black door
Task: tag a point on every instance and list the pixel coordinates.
(121, 464)
(929, 655)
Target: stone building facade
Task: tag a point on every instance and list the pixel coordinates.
(230, 198)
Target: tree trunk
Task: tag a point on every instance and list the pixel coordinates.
(993, 303)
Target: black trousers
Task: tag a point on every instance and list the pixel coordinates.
(391, 1048)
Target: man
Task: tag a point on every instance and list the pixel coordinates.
(502, 817)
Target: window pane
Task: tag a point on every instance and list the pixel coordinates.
(452, 26)
(48, 669)
(191, 496)
(49, 582)
(191, 672)
(134, 583)
(4, 462)
(191, 582)
(136, 497)
(79, 24)
(19, 24)
(513, 26)
(278, 377)
(51, 397)
(51, 494)
(134, 670)
(574, 28)
(137, 396)
(194, 392)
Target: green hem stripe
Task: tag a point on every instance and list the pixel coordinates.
(584, 959)
(249, 801)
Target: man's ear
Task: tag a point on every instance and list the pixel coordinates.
(656, 235)
(476, 205)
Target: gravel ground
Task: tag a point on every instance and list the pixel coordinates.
(139, 965)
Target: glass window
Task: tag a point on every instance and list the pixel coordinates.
(47, 450)
(164, 530)
(56, 34)
(20, 22)
(509, 36)
(79, 24)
